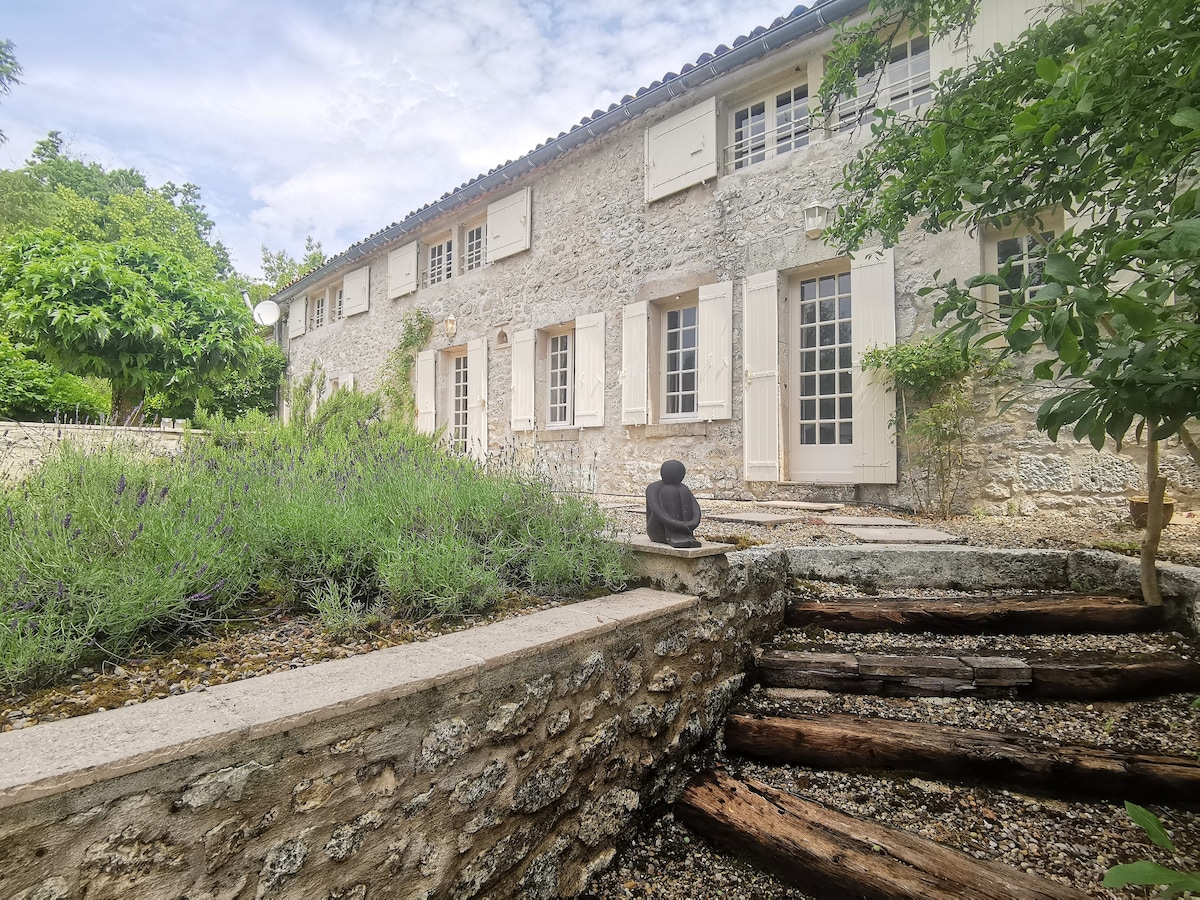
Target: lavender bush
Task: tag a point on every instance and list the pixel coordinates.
(103, 551)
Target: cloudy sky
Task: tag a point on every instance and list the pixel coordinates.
(333, 117)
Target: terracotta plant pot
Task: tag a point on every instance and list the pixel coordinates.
(1139, 508)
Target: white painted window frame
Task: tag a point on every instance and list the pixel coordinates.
(777, 138)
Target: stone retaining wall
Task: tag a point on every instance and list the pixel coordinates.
(499, 761)
(23, 445)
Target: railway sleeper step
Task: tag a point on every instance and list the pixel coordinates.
(839, 741)
(827, 853)
(1015, 614)
(1090, 676)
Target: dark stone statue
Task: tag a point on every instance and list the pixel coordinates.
(672, 513)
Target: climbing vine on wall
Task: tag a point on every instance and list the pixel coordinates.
(415, 329)
(934, 416)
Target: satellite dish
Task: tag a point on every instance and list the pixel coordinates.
(266, 313)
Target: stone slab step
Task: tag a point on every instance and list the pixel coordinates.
(809, 505)
(1017, 614)
(867, 521)
(909, 534)
(1044, 675)
(752, 517)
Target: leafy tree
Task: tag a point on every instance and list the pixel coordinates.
(9, 70)
(281, 269)
(54, 166)
(25, 202)
(233, 393)
(132, 312)
(1095, 112)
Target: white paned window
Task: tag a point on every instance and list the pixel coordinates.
(441, 262)
(679, 362)
(458, 404)
(768, 127)
(318, 318)
(826, 404)
(560, 381)
(340, 305)
(474, 247)
(905, 84)
(1019, 261)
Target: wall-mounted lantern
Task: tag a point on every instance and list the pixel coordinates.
(451, 325)
(817, 217)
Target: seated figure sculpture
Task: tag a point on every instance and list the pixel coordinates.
(672, 513)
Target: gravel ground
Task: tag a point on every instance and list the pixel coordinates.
(1067, 841)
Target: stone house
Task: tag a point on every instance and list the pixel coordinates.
(653, 283)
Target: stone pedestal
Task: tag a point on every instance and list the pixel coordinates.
(692, 570)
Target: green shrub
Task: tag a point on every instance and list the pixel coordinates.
(33, 390)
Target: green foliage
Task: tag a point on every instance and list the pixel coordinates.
(32, 390)
(1144, 872)
(132, 313)
(931, 378)
(25, 202)
(102, 551)
(280, 269)
(9, 70)
(1094, 113)
(415, 328)
(232, 393)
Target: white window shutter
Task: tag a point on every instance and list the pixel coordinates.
(402, 270)
(297, 317)
(682, 151)
(873, 324)
(508, 225)
(714, 322)
(633, 364)
(346, 380)
(477, 378)
(760, 398)
(426, 390)
(589, 370)
(523, 360)
(356, 292)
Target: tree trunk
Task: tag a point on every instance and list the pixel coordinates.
(1157, 486)
(127, 404)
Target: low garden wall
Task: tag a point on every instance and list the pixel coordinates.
(23, 445)
(503, 760)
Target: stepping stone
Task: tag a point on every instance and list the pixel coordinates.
(867, 520)
(754, 518)
(909, 535)
(803, 504)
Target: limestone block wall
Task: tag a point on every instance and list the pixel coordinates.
(23, 445)
(596, 245)
(501, 761)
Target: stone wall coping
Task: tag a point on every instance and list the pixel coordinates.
(641, 543)
(68, 754)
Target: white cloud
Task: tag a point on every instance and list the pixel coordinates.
(335, 119)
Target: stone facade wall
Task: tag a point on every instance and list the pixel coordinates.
(503, 761)
(23, 445)
(597, 245)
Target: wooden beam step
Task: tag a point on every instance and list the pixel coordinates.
(854, 742)
(829, 854)
(1041, 614)
(1092, 676)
